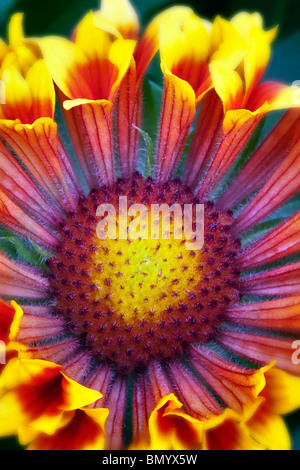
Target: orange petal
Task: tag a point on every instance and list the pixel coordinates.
(148, 45)
(269, 430)
(143, 404)
(116, 402)
(281, 392)
(35, 98)
(230, 435)
(172, 429)
(122, 16)
(36, 326)
(84, 431)
(51, 351)
(41, 152)
(129, 115)
(10, 317)
(98, 125)
(197, 398)
(16, 183)
(39, 394)
(14, 218)
(68, 66)
(228, 85)
(179, 51)
(178, 112)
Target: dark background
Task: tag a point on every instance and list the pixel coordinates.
(60, 16)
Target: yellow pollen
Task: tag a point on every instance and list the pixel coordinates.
(141, 278)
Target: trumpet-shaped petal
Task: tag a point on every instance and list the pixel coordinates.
(84, 430)
(239, 85)
(27, 116)
(148, 46)
(39, 148)
(281, 392)
(10, 318)
(260, 346)
(79, 63)
(35, 97)
(238, 387)
(206, 133)
(121, 14)
(37, 393)
(230, 435)
(89, 78)
(265, 428)
(24, 52)
(120, 19)
(189, 62)
(17, 220)
(172, 429)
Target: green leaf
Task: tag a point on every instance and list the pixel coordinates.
(147, 10)
(285, 61)
(23, 250)
(152, 99)
(149, 151)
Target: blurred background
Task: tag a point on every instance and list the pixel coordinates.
(60, 16)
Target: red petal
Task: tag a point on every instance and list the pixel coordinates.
(261, 347)
(283, 241)
(282, 186)
(116, 403)
(279, 314)
(280, 281)
(264, 161)
(81, 433)
(18, 280)
(207, 130)
(40, 150)
(16, 183)
(14, 218)
(195, 396)
(236, 385)
(143, 404)
(129, 108)
(232, 143)
(7, 313)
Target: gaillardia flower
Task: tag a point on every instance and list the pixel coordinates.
(118, 334)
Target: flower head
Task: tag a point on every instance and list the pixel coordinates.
(145, 326)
